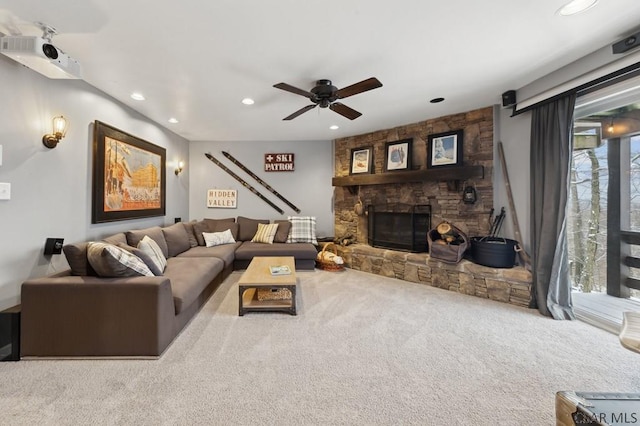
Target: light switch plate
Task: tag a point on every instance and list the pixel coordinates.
(5, 191)
(0, 155)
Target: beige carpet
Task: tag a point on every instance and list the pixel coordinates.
(363, 350)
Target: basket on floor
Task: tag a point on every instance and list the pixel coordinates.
(323, 260)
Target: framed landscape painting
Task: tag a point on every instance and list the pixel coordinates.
(445, 149)
(129, 176)
(398, 155)
(361, 161)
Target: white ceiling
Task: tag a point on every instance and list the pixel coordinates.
(196, 60)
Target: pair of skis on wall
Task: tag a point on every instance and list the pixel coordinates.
(247, 185)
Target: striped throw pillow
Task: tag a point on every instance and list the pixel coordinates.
(265, 233)
(153, 250)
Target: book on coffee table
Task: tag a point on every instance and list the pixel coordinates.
(280, 270)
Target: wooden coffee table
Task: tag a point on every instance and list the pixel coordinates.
(258, 276)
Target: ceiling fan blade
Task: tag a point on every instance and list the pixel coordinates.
(363, 86)
(345, 111)
(292, 89)
(300, 112)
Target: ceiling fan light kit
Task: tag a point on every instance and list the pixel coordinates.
(325, 95)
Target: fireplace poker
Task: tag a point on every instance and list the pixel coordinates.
(503, 213)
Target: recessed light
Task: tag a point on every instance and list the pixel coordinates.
(436, 100)
(248, 101)
(576, 6)
(137, 96)
(173, 120)
(334, 127)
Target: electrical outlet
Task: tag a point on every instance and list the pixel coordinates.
(5, 191)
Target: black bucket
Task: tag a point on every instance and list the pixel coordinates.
(494, 251)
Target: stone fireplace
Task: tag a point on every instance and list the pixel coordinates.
(441, 190)
(399, 226)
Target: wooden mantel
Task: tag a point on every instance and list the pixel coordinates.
(452, 175)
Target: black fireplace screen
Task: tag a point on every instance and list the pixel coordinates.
(399, 226)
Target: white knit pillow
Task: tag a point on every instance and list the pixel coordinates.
(153, 250)
(218, 238)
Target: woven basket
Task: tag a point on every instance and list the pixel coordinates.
(273, 294)
(328, 265)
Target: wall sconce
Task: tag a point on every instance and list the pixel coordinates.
(59, 130)
(610, 128)
(179, 168)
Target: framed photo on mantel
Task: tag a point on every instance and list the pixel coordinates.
(398, 155)
(445, 149)
(361, 161)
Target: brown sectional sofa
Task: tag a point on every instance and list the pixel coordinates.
(78, 314)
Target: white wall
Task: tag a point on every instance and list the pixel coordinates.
(51, 188)
(308, 187)
(514, 133)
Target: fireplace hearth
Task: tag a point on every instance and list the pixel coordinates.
(399, 226)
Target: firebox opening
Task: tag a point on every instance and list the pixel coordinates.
(399, 226)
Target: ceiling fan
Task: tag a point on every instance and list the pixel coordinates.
(325, 94)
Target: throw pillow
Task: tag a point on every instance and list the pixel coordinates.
(76, 255)
(265, 233)
(198, 229)
(218, 238)
(143, 256)
(177, 239)
(188, 226)
(111, 261)
(303, 230)
(248, 227)
(151, 248)
(155, 233)
(284, 226)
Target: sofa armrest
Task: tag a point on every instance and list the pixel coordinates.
(76, 316)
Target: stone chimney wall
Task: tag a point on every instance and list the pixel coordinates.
(446, 204)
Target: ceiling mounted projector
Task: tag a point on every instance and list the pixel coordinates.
(40, 55)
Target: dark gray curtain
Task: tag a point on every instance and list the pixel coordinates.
(551, 148)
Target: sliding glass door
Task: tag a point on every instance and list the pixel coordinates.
(604, 202)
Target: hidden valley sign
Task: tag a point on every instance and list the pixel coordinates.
(278, 163)
(222, 198)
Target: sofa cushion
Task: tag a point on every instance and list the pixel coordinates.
(248, 227)
(219, 225)
(189, 277)
(76, 255)
(148, 260)
(193, 242)
(303, 230)
(155, 233)
(265, 233)
(213, 239)
(226, 252)
(112, 261)
(284, 226)
(302, 251)
(150, 247)
(119, 238)
(198, 229)
(177, 239)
